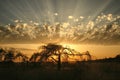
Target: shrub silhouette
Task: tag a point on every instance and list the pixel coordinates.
(9, 56)
(21, 55)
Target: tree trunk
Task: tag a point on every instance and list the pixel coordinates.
(59, 62)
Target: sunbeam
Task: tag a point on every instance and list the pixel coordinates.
(59, 39)
(78, 21)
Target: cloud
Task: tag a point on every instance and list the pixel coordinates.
(100, 31)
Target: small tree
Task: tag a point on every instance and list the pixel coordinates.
(9, 56)
(20, 55)
(2, 53)
(118, 56)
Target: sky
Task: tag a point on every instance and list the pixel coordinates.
(92, 25)
(75, 21)
(39, 10)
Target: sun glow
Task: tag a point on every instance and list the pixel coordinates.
(70, 17)
(77, 25)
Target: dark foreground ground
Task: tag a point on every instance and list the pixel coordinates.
(48, 71)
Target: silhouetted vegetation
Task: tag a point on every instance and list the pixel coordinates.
(48, 64)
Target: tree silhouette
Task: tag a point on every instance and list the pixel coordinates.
(2, 54)
(118, 56)
(87, 53)
(20, 55)
(50, 50)
(9, 56)
(34, 57)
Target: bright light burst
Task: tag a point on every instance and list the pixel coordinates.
(55, 21)
(70, 17)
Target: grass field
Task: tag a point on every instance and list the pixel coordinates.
(69, 71)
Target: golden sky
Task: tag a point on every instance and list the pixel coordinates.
(99, 51)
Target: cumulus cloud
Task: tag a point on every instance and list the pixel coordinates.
(105, 29)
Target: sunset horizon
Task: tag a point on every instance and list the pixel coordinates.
(59, 39)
